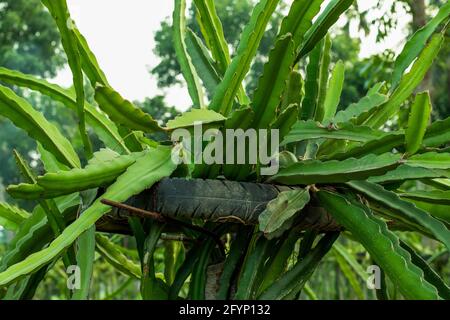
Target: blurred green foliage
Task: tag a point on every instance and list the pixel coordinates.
(29, 42)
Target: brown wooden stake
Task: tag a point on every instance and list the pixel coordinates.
(134, 211)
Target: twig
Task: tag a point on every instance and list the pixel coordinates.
(135, 211)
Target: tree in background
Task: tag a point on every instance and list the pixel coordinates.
(30, 43)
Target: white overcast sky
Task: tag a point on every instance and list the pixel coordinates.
(120, 33)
